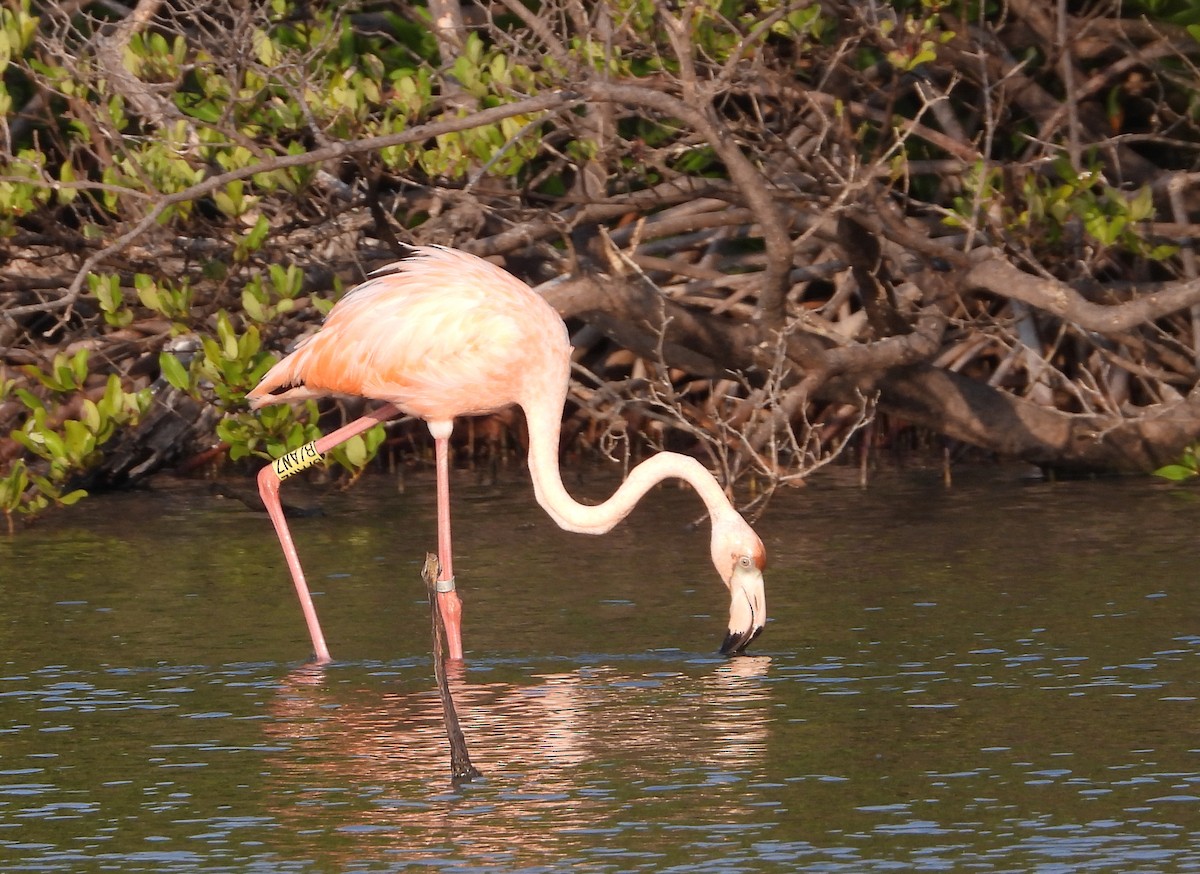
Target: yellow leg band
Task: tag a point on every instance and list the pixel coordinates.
(291, 463)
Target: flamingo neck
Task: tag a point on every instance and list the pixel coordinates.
(545, 423)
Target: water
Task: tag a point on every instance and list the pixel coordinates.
(998, 677)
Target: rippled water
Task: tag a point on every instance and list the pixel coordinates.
(998, 677)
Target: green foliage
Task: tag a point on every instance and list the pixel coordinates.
(1187, 467)
(269, 433)
(916, 38)
(232, 359)
(1186, 12)
(232, 362)
(58, 448)
(266, 298)
(65, 374)
(107, 291)
(297, 73)
(17, 28)
(356, 453)
(13, 486)
(252, 240)
(23, 188)
(163, 297)
(1047, 204)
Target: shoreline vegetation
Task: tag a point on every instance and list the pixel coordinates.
(782, 234)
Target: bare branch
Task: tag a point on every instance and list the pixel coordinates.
(1003, 279)
(753, 187)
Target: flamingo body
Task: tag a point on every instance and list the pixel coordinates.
(440, 335)
(444, 334)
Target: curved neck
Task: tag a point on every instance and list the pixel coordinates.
(545, 422)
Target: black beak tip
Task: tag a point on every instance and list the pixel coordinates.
(736, 641)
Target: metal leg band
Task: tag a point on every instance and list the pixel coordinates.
(444, 585)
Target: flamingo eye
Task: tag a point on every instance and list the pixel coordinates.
(746, 562)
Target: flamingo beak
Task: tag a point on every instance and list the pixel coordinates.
(747, 609)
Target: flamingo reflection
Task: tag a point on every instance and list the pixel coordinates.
(380, 762)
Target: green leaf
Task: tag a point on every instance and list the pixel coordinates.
(91, 415)
(356, 451)
(287, 281)
(147, 292)
(78, 441)
(254, 238)
(1176, 472)
(66, 175)
(227, 336)
(114, 396)
(248, 344)
(174, 372)
(30, 400)
(79, 367)
(253, 306)
(33, 444)
(1141, 207)
(474, 48)
(12, 486)
(374, 438)
(498, 68)
(63, 379)
(44, 486)
(54, 445)
(924, 56)
(72, 497)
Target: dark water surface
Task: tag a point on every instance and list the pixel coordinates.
(1002, 676)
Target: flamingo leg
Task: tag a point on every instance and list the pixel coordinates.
(449, 603)
(269, 480)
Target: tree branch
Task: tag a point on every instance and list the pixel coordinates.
(1003, 279)
(750, 182)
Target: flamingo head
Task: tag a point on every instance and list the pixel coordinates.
(739, 558)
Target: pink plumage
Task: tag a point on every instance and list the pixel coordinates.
(440, 334)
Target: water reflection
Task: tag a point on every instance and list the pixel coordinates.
(547, 742)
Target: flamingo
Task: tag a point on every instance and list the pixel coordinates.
(442, 334)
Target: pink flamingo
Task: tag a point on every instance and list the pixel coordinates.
(443, 334)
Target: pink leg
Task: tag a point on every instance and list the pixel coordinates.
(268, 487)
(448, 601)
